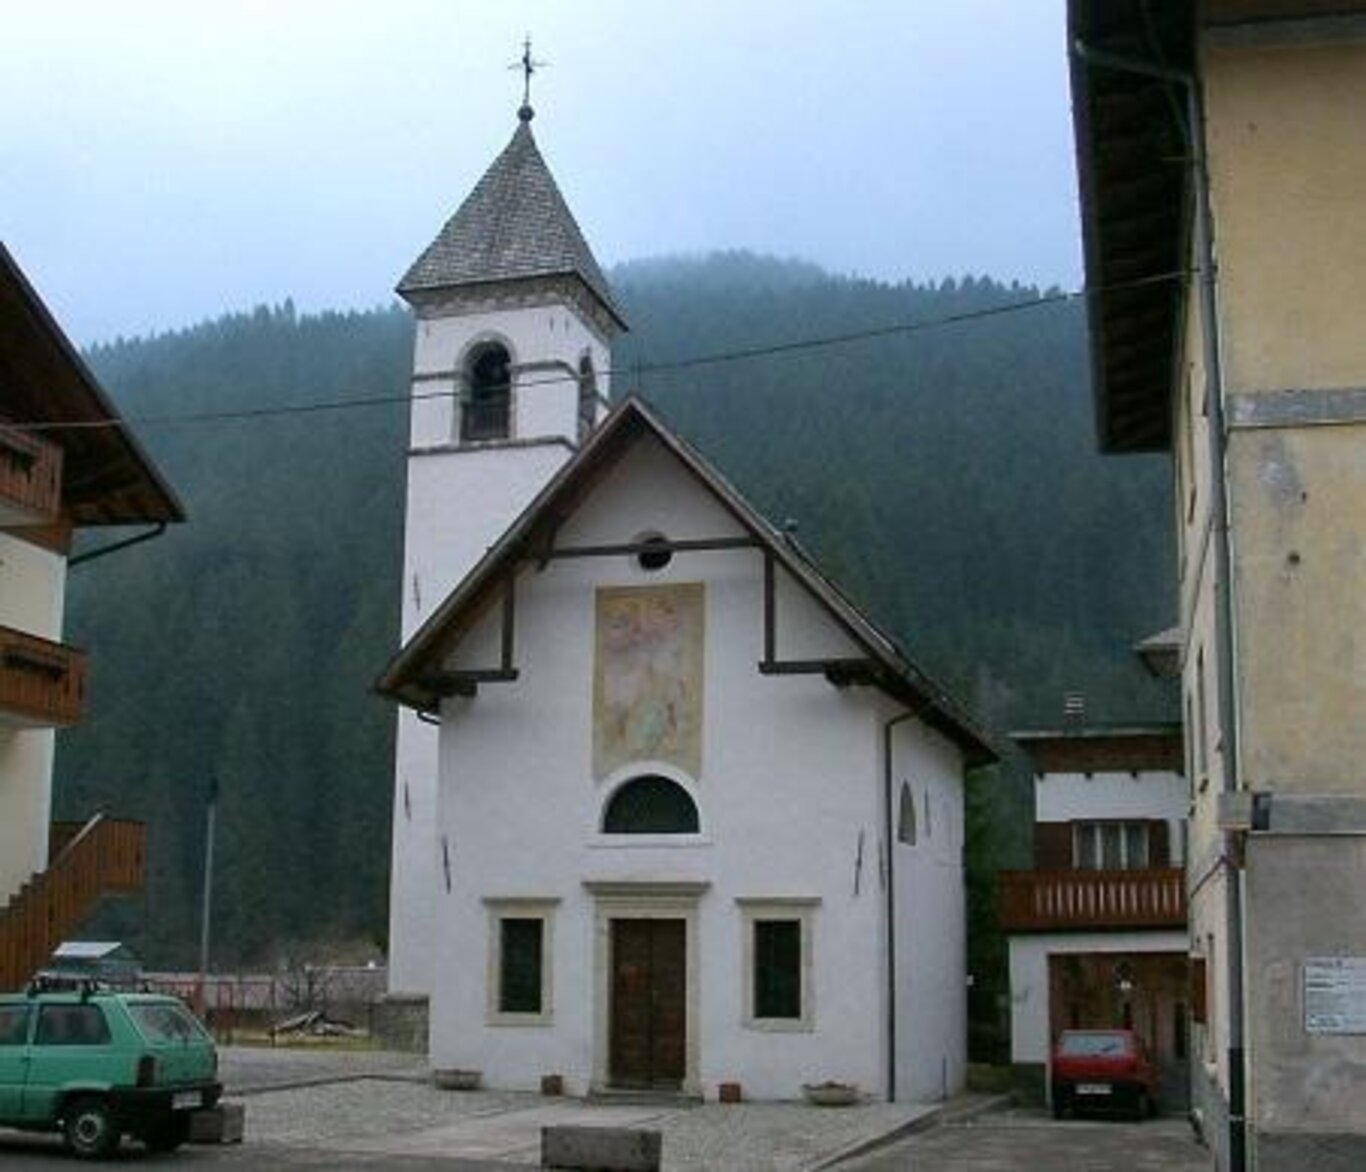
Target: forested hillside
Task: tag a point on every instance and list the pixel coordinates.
(945, 474)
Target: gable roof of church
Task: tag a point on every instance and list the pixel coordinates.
(416, 678)
(514, 225)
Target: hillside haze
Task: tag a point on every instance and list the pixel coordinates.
(944, 474)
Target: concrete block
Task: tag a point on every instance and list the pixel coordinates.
(600, 1149)
(400, 1022)
(222, 1124)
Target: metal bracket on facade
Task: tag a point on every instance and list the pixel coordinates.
(465, 682)
(841, 672)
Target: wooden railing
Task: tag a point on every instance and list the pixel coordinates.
(30, 478)
(105, 856)
(41, 683)
(1065, 901)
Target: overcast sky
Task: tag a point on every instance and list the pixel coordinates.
(164, 161)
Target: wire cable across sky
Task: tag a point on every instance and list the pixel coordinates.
(636, 369)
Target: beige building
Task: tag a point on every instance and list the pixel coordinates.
(1222, 153)
(82, 469)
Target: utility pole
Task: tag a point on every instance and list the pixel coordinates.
(207, 906)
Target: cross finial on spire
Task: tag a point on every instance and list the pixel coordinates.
(528, 66)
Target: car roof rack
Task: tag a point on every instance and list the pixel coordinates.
(50, 982)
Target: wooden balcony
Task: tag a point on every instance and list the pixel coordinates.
(30, 479)
(105, 856)
(1077, 901)
(42, 684)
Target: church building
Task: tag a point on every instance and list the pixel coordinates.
(670, 811)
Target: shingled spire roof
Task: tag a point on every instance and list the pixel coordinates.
(513, 225)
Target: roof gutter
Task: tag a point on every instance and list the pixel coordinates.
(1203, 225)
(114, 547)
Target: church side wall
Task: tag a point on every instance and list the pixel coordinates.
(931, 918)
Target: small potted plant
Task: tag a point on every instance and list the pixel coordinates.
(453, 1079)
(831, 1093)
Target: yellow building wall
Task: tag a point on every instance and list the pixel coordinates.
(1286, 128)
(1287, 148)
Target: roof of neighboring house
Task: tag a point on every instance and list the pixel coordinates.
(1134, 176)
(515, 224)
(1104, 749)
(91, 950)
(1161, 653)
(412, 677)
(107, 479)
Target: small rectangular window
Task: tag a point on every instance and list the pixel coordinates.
(1199, 990)
(520, 956)
(519, 981)
(1111, 846)
(778, 941)
(778, 969)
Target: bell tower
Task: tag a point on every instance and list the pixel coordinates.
(511, 363)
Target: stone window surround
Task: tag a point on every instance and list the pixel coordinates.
(607, 788)
(791, 907)
(517, 907)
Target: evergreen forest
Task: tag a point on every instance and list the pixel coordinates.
(939, 461)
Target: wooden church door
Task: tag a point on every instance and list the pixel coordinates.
(649, 1003)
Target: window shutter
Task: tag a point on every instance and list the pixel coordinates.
(1159, 843)
(1053, 846)
(1199, 976)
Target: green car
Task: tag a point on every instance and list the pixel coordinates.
(96, 1065)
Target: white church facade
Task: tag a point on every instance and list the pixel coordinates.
(670, 812)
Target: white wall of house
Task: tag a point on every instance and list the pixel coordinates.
(1029, 1038)
(32, 596)
(931, 917)
(790, 798)
(1100, 797)
(460, 500)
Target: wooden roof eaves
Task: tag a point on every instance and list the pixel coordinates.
(92, 454)
(442, 630)
(1135, 216)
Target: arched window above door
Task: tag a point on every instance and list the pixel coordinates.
(650, 805)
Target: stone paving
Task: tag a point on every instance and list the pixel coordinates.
(1026, 1141)
(377, 1103)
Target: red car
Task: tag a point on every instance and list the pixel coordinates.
(1105, 1069)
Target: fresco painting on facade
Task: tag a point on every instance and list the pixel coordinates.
(647, 685)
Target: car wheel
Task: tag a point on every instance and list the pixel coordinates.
(169, 1134)
(1143, 1108)
(1059, 1103)
(89, 1128)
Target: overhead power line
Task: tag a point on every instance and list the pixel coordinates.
(635, 370)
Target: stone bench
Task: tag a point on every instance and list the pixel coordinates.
(599, 1149)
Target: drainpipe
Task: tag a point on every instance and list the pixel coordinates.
(889, 838)
(1203, 231)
